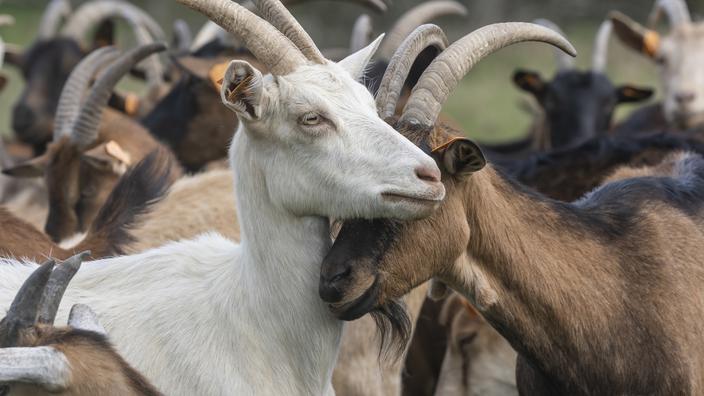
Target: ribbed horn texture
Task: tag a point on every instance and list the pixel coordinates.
(400, 65)
(280, 17)
(42, 366)
(55, 288)
(562, 60)
(376, 5)
(266, 43)
(54, 12)
(418, 15)
(446, 71)
(676, 11)
(601, 47)
(75, 88)
(85, 129)
(361, 33)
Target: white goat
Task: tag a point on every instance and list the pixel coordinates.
(210, 317)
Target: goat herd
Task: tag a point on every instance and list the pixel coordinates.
(574, 254)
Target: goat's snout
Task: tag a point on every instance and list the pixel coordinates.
(23, 118)
(430, 174)
(332, 281)
(685, 97)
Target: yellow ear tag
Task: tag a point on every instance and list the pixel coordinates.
(115, 151)
(131, 104)
(651, 42)
(216, 74)
(447, 143)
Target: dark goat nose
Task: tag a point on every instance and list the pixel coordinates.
(685, 97)
(428, 174)
(331, 282)
(22, 118)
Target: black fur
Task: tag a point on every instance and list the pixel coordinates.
(394, 329)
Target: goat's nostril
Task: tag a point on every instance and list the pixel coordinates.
(340, 275)
(685, 96)
(429, 174)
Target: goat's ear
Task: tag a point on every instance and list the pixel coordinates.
(356, 63)
(105, 34)
(529, 81)
(108, 157)
(242, 90)
(633, 94)
(634, 35)
(462, 157)
(31, 168)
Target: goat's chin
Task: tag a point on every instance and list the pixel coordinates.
(404, 207)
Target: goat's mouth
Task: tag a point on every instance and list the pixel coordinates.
(412, 199)
(358, 307)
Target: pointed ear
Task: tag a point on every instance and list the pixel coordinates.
(105, 34)
(634, 35)
(243, 90)
(529, 81)
(633, 94)
(462, 157)
(356, 63)
(108, 157)
(31, 168)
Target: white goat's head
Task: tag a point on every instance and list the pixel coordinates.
(313, 128)
(679, 55)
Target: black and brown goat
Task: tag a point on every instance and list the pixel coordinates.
(92, 146)
(38, 358)
(599, 296)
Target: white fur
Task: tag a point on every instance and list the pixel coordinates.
(210, 317)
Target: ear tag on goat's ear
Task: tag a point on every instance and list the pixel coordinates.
(651, 42)
(131, 104)
(216, 74)
(115, 151)
(448, 143)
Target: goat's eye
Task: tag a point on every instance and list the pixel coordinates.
(311, 119)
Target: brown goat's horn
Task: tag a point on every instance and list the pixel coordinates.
(25, 307)
(400, 65)
(85, 129)
(54, 12)
(280, 17)
(418, 15)
(562, 60)
(676, 11)
(446, 71)
(266, 43)
(361, 33)
(601, 46)
(55, 288)
(75, 88)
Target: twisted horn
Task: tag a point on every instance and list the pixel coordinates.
(562, 60)
(416, 16)
(42, 366)
(266, 43)
(75, 88)
(55, 288)
(54, 12)
(400, 65)
(446, 71)
(280, 17)
(601, 47)
(85, 129)
(676, 10)
(361, 33)
(376, 5)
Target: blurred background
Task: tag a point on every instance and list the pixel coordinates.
(486, 103)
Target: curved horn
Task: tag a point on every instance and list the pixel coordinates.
(446, 71)
(267, 44)
(676, 10)
(55, 288)
(418, 15)
(54, 12)
(42, 366)
(85, 129)
(183, 37)
(211, 31)
(601, 47)
(562, 60)
(75, 88)
(280, 17)
(400, 65)
(25, 307)
(376, 5)
(361, 33)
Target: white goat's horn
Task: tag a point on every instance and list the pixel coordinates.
(75, 87)
(280, 17)
(376, 5)
(182, 35)
(416, 16)
(361, 33)
(54, 12)
(448, 68)
(562, 60)
(41, 366)
(82, 317)
(601, 47)
(85, 129)
(55, 288)
(676, 11)
(396, 73)
(266, 43)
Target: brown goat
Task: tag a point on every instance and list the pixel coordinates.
(601, 296)
(37, 358)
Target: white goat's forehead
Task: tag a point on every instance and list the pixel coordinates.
(688, 39)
